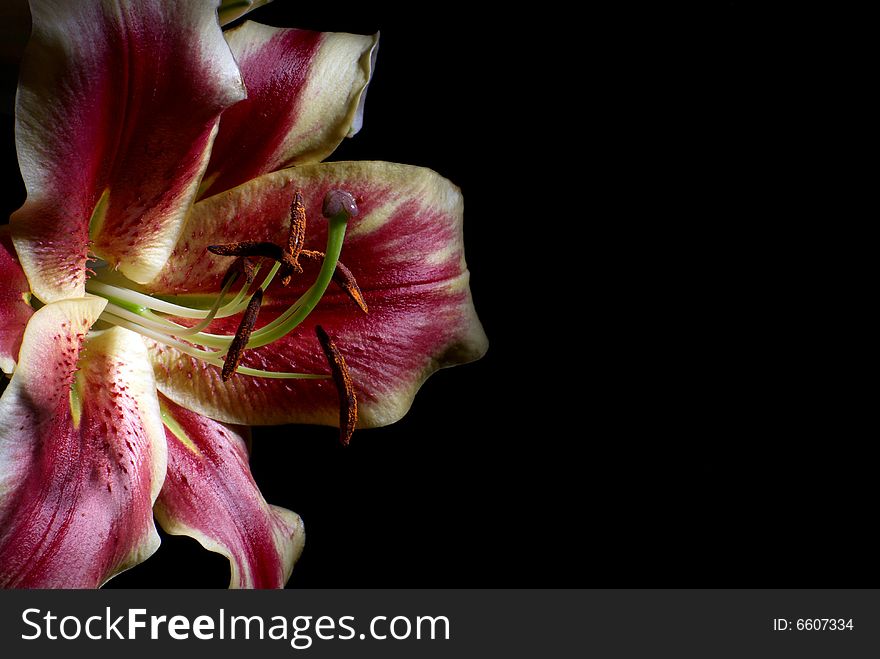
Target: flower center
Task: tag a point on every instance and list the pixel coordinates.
(152, 317)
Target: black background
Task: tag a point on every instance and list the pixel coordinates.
(652, 410)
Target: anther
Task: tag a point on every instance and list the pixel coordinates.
(242, 334)
(248, 248)
(254, 248)
(296, 238)
(343, 278)
(348, 411)
(346, 281)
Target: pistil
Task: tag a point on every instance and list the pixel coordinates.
(149, 316)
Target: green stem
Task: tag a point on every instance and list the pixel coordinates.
(138, 312)
(297, 313)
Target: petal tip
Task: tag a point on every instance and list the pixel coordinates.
(368, 64)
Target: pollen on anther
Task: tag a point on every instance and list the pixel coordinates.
(344, 278)
(348, 410)
(242, 335)
(297, 235)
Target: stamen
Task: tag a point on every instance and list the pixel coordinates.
(242, 334)
(290, 319)
(203, 355)
(238, 304)
(241, 266)
(140, 314)
(348, 410)
(149, 315)
(343, 278)
(129, 296)
(346, 281)
(257, 248)
(248, 248)
(296, 237)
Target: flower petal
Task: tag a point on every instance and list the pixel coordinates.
(230, 10)
(81, 465)
(406, 251)
(14, 308)
(117, 107)
(210, 495)
(305, 94)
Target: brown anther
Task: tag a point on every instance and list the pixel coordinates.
(296, 238)
(287, 271)
(249, 248)
(343, 278)
(348, 409)
(258, 248)
(346, 281)
(287, 256)
(242, 334)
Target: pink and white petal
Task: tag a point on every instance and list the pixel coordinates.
(15, 310)
(408, 230)
(117, 108)
(405, 249)
(306, 93)
(82, 453)
(210, 495)
(408, 334)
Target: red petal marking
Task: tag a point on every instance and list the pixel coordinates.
(77, 489)
(119, 98)
(210, 495)
(408, 334)
(304, 89)
(408, 230)
(14, 310)
(405, 248)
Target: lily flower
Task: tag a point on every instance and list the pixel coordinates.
(184, 267)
